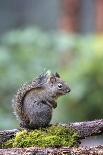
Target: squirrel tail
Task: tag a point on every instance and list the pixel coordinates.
(17, 101)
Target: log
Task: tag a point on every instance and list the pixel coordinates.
(89, 128)
(85, 129)
(53, 151)
(7, 134)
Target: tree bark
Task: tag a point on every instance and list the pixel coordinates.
(85, 129)
(7, 134)
(50, 151)
(89, 128)
(70, 16)
(99, 21)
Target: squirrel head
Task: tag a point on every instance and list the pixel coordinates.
(55, 85)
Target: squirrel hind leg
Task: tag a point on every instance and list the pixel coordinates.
(26, 126)
(23, 125)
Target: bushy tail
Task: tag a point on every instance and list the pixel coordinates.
(19, 97)
(17, 101)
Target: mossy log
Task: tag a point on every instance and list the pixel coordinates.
(56, 151)
(85, 129)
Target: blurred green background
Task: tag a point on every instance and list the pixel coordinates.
(64, 36)
(25, 53)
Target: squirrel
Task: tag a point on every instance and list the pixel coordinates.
(34, 102)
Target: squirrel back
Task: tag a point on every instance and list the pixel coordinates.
(34, 102)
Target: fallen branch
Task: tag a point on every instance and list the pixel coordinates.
(7, 134)
(85, 129)
(50, 151)
(89, 128)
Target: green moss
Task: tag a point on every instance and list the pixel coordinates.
(54, 136)
(7, 144)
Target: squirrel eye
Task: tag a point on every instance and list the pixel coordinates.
(59, 85)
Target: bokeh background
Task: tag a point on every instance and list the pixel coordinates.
(65, 36)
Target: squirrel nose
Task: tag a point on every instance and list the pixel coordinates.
(68, 90)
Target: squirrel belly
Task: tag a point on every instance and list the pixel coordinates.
(37, 112)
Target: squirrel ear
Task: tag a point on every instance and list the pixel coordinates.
(52, 79)
(57, 75)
